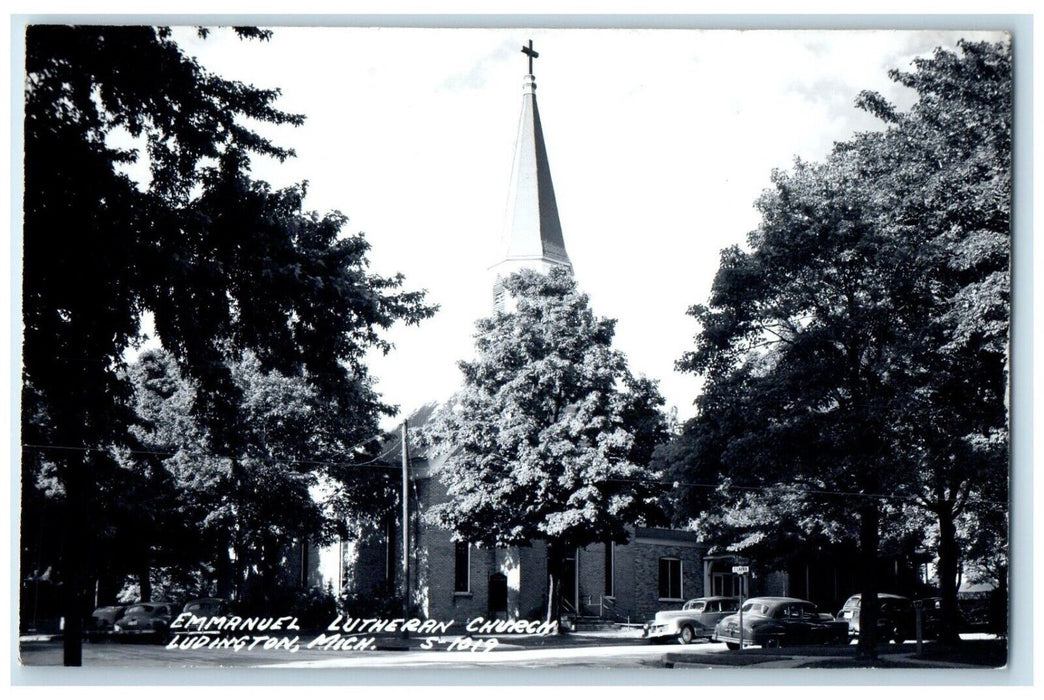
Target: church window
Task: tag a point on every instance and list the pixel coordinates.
(498, 295)
(462, 568)
(610, 566)
(670, 578)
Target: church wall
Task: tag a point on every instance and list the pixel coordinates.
(773, 583)
(635, 570)
(443, 602)
(647, 576)
(368, 567)
(434, 579)
(590, 577)
(533, 581)
(624, 573)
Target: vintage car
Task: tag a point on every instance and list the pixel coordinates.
(103, 621)
(696, 618)
(207, 607)
(932, 617)
(895, 621)
(777, 621)
(146, 619)
(103, 618)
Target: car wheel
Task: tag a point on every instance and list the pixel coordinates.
(897, 636)
(734, 646)
(773, 643)
(686, 635)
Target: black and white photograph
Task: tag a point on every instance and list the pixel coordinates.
(336, 351)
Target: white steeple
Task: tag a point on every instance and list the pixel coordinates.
(532, 234)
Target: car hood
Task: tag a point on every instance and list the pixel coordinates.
(666, 615)
(144, 616)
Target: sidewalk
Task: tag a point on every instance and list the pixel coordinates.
(840, 657)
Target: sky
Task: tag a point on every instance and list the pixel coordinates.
(659, 143)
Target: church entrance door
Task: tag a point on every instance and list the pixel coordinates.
(498, 595)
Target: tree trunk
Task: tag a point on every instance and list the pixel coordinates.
(144, 575)
(948, 624)
(76, 540)
(869, 539)
(240, 568)
(224, 571)
(554, 582)
(998, 606)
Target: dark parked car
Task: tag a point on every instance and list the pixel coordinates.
(103, 619)
(895, 620)
(931, 616)
(697, 618)
(777, 621)
(146, 619)
(208, 607)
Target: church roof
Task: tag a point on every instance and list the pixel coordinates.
(532, 230)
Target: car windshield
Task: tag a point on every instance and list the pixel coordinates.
(694, 605)
(139, 609)
(852, 603)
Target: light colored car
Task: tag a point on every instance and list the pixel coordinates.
(696, 619)
(778, 621)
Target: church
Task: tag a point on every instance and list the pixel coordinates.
(657, 568)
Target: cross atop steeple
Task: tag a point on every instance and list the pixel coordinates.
(528, 50)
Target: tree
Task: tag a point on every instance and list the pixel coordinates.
(297, 482)
(956, 168)
(221, 261)
(552, 436)
(804, 335)
(843, 343)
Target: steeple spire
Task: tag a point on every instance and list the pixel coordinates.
(532, 235)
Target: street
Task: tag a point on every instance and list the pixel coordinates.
(575, 651)
(522, 652)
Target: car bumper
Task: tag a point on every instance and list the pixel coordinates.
(660, 631)
(139, 631)
(731, 639)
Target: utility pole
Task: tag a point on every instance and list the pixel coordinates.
(405, 527)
